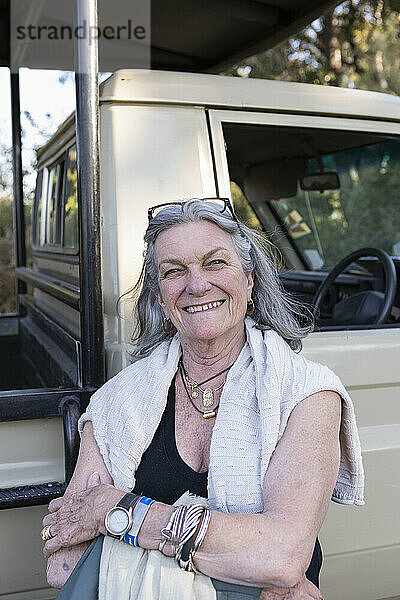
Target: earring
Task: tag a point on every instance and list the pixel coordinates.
(250, 307)
(167, 325)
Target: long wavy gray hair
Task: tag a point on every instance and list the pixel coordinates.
(274, 307)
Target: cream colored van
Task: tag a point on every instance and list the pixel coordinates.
(318, 169)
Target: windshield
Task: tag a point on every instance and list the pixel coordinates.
(326, 226)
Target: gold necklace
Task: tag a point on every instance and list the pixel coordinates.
(207, 414)
(208, 393)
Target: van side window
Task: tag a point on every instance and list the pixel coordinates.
(38, 210)
(71, 201)
(56, 206)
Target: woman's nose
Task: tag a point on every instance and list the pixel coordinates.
(197, 284)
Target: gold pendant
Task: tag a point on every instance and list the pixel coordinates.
(209, 415)
(208, 397)
(195, 394)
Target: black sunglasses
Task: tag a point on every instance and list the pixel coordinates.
(225, 204)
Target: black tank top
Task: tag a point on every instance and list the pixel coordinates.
(163, 475)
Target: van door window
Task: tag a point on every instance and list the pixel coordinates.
(322, 194)
(271, 166)
(71, 201)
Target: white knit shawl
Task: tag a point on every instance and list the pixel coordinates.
(266, 382)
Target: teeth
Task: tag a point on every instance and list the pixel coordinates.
(193, 309)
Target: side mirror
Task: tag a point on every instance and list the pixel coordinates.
(320, 182)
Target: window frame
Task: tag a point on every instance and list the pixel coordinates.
(40, 243)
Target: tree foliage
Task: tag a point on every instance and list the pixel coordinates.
(355, 44)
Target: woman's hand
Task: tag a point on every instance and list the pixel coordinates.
(80, 516)
(304, 590)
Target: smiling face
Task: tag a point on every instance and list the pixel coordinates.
(203, 289)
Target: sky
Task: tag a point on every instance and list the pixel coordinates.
(48, 101)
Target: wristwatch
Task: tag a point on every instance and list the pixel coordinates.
(118, 520)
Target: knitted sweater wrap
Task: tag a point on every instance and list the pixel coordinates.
(262, 388)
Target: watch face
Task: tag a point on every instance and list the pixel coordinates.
(118, 521)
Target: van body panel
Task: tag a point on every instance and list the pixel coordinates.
(23, 566)
(59, 312)
(57, 143)
(181, 167)
(38, 457)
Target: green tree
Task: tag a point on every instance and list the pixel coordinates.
(8, 298)
(355, 44)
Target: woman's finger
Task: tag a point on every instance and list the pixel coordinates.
(64, 537)
(49, 519)
(93, 480)
(56, 504)
(313, 590)
(51, 546)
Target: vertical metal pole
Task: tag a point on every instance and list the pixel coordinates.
(87, 135)
(19, 215)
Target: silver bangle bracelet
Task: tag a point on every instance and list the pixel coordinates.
(177, 527)
(202, 532)
(192, 525)
(198, 541)
(193, 517)
(166, 532)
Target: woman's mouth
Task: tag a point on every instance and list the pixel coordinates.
(203, 307)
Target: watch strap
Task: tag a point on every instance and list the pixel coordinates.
(128, 501)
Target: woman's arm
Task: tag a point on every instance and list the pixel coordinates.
(275, 548)
(271, 549)
(61, 563)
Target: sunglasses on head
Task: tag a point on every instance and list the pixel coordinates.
(223, 203)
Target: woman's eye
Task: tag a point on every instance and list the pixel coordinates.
(171, 272)
(216, 262)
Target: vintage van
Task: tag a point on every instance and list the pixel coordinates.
(317, 169)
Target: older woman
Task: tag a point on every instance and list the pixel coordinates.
(216, 402)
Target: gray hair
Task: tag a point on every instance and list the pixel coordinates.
(274, 307)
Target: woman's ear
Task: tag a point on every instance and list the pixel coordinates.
(250, 283)
(160, 300)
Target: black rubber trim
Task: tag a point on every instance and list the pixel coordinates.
(31, 495)
(20, 405)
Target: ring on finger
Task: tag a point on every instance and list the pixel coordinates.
(45, 534)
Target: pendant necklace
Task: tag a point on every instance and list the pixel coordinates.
(208, 392)
(207, 414)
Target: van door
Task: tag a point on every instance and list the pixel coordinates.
(260, 161)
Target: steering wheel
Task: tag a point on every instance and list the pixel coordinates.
(390, 281)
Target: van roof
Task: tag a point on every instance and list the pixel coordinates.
(219, 91)
(134, 85)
